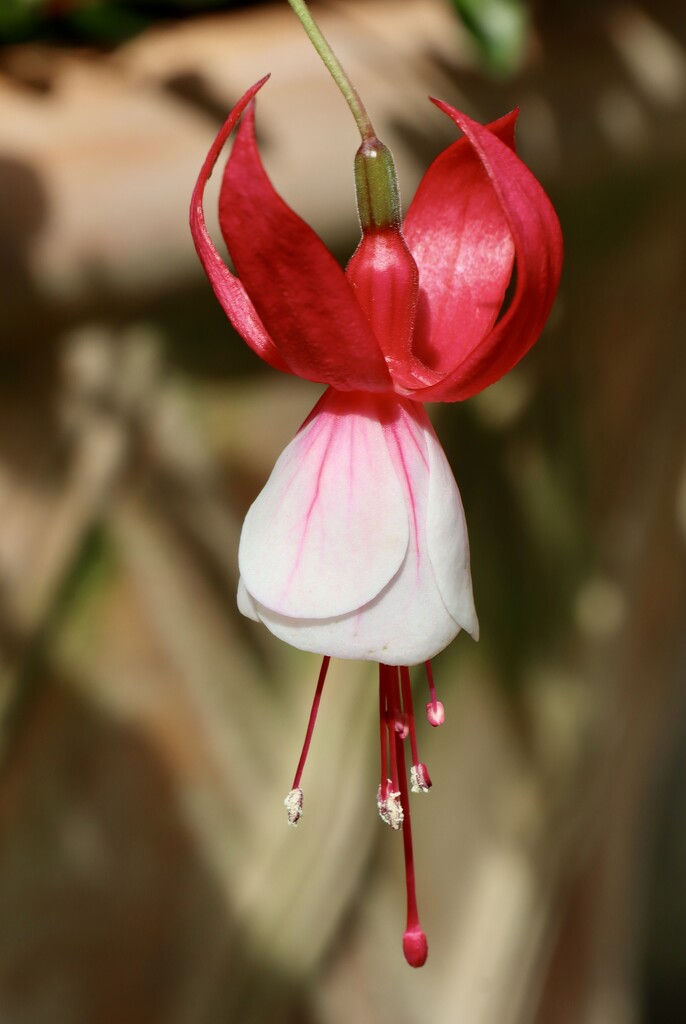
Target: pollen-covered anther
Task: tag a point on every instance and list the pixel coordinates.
(294, 806)
(435, 713)
(420, 780)
(390, 806)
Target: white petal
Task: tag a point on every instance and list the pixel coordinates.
(408, 622)
(246, 605)
(330, 528)
(447, 539)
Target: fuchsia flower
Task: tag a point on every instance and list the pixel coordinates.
(357, 546)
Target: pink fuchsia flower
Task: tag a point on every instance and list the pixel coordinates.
(357, 546)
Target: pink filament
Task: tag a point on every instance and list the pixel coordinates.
(409, 711)
(430, 677)
(313, 718)
(390, 685)
(383, 730)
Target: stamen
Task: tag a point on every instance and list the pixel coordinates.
(388, 795)
(294, 800)
(434, 709)
(420, 780)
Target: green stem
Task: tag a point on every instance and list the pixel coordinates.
(335, 68)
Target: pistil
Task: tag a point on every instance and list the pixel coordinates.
(415, 945)
(395, 808)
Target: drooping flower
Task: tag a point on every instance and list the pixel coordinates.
(357, 546)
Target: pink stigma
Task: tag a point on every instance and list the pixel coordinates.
(415, 947)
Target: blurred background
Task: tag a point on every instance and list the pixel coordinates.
(149, 734)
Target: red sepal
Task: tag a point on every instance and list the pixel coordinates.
(226, 287)
(460, 238)
(299, 290)
(535, 231)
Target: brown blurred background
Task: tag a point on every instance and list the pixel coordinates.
(147, 874)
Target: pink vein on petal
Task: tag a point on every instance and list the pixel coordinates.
(393, 429)
(319, 512)
(308, 515)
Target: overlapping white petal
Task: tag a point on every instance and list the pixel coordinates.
(446, 536)
(329, 529)
(357, 546)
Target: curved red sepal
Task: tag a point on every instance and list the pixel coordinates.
(461, 241)
(226, 287)
(299, 290)
(537, 238)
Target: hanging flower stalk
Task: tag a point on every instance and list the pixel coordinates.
(357, 546)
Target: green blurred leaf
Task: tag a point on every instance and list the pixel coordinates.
(499, 28)
(18, 18)
(103, 22)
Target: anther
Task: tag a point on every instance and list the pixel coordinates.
(390, 806)
(435, 713)
(294, 806)
(401, 724)
(434, 709)
(420, 780)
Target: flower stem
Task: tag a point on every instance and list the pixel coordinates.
(335, 68)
